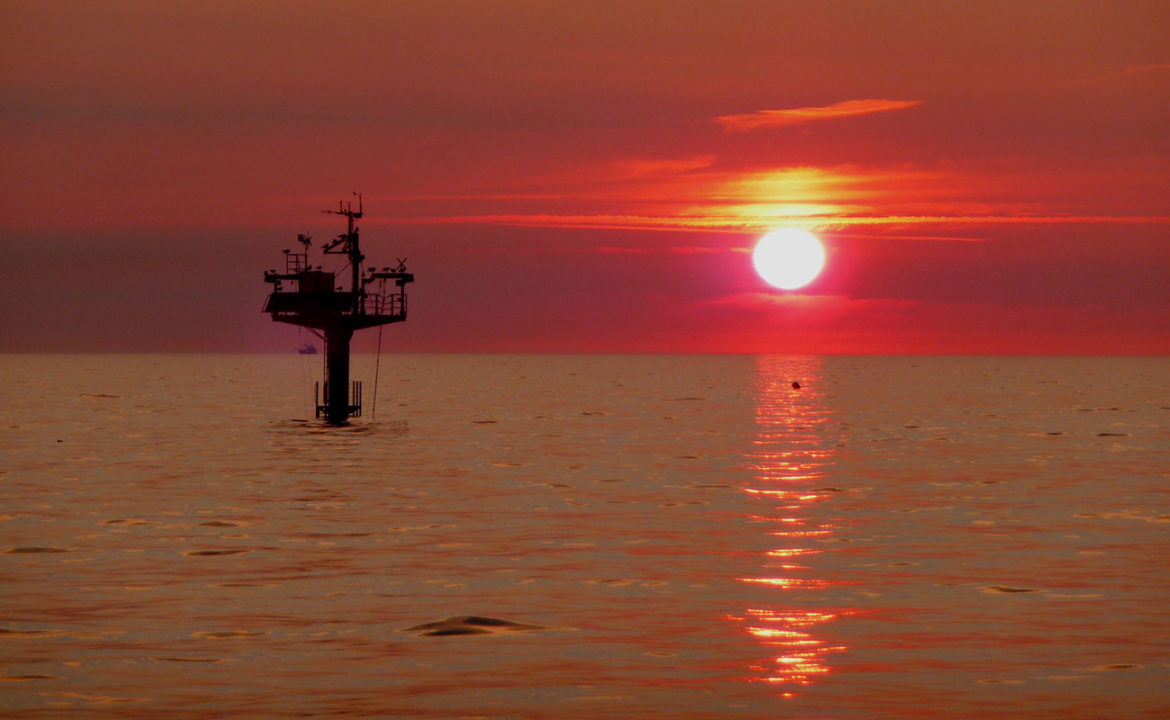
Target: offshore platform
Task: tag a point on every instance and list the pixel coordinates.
(332, 309)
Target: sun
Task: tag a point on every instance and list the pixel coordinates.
(789, 258)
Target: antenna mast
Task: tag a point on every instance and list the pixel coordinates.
(348, 243)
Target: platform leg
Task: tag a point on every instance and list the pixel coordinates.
(337, 364)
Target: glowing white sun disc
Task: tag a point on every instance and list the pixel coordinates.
(789, 259)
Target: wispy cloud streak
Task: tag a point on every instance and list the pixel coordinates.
(752, 225)
(696, 194)
(1126, 72)
(745, 122)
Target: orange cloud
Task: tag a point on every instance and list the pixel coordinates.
(1126, 72)
(695, 193)
(730, 224)
(796, 116)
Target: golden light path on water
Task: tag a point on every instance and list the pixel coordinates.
(788, 459)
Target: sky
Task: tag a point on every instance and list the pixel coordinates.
(987, 177)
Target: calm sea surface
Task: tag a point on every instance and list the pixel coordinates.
(586, 537)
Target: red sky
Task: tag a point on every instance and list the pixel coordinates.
(988, 177)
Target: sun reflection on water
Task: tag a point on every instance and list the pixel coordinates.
(788, 459)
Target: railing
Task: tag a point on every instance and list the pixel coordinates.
(295, 262)
(394, 305)
(321, 399)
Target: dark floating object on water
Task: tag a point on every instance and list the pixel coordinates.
(322, 302)
(795, 385)
(1007, 589)
(470, 625)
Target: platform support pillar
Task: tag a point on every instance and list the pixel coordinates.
(337, 363)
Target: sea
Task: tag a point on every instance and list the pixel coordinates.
(575, 536)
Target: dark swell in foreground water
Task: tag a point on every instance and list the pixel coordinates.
(470, 625)
(586, 537)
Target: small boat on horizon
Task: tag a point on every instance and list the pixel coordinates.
(307, 349)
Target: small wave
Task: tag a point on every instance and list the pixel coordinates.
(470, 625)
(227, 634)
(27, 678)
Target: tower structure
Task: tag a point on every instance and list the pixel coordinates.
(334, 307)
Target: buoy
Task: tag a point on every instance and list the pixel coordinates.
(795, 385)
